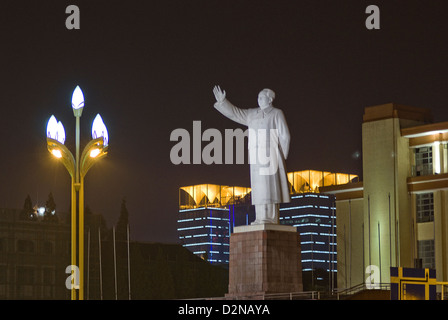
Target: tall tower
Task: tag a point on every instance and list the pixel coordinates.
(387, 211)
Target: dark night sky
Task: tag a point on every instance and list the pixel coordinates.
(149, 67)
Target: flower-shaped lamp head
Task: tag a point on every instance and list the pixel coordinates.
(100, 130)
(77, 101)
(55, 130)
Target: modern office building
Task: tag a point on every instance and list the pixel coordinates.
(205, 215)
(314, 216)
(397, 216)
(208, 214)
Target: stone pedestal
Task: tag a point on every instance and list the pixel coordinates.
(264, 259)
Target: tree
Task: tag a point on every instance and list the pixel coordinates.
(28, 212)
(50, 209)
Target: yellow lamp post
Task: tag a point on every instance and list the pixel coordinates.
(77, 166)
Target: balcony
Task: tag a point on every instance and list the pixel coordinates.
(426, 183)
(422, 170)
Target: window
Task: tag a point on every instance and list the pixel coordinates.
(48, 281)
(3, 273)
(426, 253)
(25, 275)
(48, 247)
(423, 161)
(47, 276)
(25, 246)
(425, 207)
(3, 281)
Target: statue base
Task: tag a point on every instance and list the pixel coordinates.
(264, 259)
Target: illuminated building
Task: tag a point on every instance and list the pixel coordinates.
(397, 216)
(208, 214)
(204, 219)
(313, 215)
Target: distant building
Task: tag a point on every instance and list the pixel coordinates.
(34, 254)
(33, 257)
(208, 214)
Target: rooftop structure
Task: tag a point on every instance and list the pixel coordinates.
(211, 195)
(311, 180)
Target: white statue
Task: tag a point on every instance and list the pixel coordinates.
(269, 187)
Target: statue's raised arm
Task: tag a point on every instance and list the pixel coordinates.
(219, 94)
(228, 109)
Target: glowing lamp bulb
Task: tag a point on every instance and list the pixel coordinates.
(52, 127)
(55, 130)
(57, 153)
(100, 130)
(94, 153)
(60, 133)
(77, 98)
(41, 211)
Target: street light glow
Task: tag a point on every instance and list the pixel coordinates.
(99, 129)
(94, 153)
(41, 211)
(77, 98)
(55, 130)
(57, 153)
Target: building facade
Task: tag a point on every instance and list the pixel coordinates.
(206, 215)
(397, 216)
(33, 257)
(314, 216)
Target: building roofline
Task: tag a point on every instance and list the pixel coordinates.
(335, 189)
(354, 190)
(394, 110)
(425, 130)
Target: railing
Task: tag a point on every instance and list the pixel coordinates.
(346, 292)
(443, 294)
(338, 294)
(306, 295)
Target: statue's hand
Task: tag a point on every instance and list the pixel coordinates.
(219, 94)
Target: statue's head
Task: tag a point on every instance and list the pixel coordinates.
(265, 98)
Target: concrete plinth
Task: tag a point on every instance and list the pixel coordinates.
(264, 259)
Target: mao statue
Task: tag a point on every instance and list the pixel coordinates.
(268, 144)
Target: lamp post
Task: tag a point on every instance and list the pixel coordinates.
(77, 166)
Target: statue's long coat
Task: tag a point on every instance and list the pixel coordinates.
(266, 188)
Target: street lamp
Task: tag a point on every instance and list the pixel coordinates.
(77, 166)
